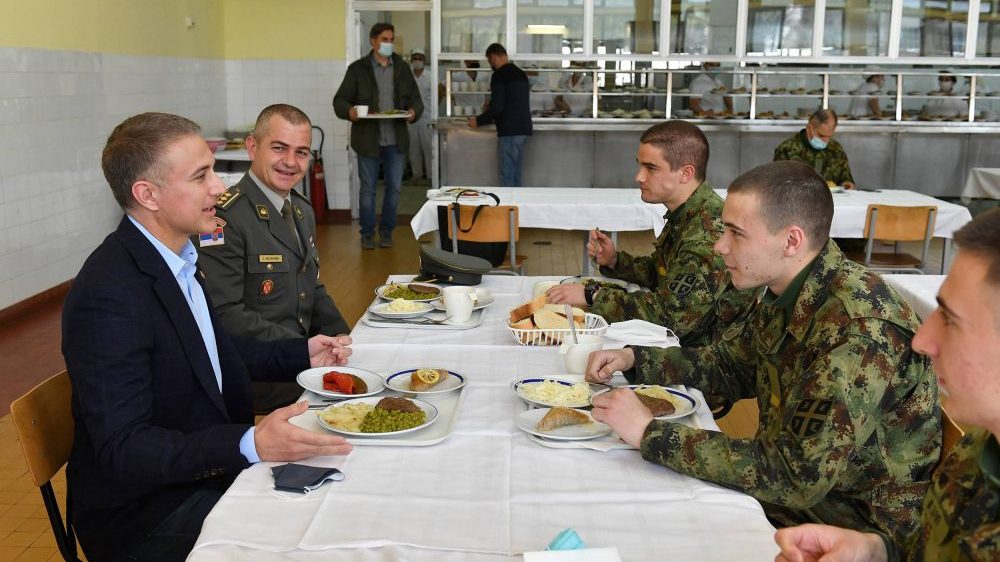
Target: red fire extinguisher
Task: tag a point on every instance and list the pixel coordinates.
(317, 183)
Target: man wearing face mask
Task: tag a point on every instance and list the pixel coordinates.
(703, 100)
(420, 130)
(816, 146)
(510, 109)
(381, 81)
(946, 103)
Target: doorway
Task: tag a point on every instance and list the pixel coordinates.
(413, 28)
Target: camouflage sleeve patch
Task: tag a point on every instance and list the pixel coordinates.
(810, 416)
(682, 284)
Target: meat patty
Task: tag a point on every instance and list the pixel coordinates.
(398, 404)
(658, 406)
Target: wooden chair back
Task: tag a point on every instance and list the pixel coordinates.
(43, 418)
(492, 224)
(44, 421)
(903, 224)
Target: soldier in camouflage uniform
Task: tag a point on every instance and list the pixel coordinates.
(261, 266)
(849, 420)
(816, 146)
(960, 516)
(690, 289)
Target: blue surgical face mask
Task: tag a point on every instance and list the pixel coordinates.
(817, 143)
(385, 49)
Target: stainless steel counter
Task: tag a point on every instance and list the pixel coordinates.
(927, 157)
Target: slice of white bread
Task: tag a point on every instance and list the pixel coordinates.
(525, 311)
(548, 319)
(560, 309)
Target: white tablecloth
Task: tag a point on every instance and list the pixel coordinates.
(850, 208)
(982, 183)
(487, 492)
(563, 208)
(618, 210)
(918, 290)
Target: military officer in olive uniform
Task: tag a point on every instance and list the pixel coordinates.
(261, 263)
(816, 146)
(849, 414)
(690, 289)
(960, 515)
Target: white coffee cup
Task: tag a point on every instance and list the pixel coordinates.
(362, 110)
(576, 355)
(539, 288)
(458, 303)
(483, 295)
(459, 110)
(470, 111)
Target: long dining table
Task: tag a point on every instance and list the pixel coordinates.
(488, 491)
(622, 210)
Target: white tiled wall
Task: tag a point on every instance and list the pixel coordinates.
(252, 85)
(56, 111)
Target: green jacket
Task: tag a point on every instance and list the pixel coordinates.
(691, 293)
(262, 286)
(831, 162)
(960, 518)
(850, 423)
(359, 88)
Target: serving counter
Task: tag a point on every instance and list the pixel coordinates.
(933, 158)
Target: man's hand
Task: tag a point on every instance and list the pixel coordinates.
(412, 116)
(622, 410)
(566, 293)
(848, 185)
(814, 543)
(352, 114)
(472, 123)
(601, 365)
(602, 248)
(325, 351)
(278, 440)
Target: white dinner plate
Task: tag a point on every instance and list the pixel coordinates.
(429, 409)
(526, 421)
(518, 388)
(684, 404)
(400, 382)
(480, 303)
(312, 380)
(380, 291)
(382, 309)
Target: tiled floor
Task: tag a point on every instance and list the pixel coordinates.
(30, 352)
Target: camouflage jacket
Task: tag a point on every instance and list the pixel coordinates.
(850, 425)
(831, 162)
(960, 519)
(691, 293)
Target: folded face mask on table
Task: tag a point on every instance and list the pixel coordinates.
(301, 479)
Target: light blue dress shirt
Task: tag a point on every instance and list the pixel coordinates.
(183, 267)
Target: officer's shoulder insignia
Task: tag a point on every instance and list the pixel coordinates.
(227, 199)
(262, 213)
(300, 196)
(810, 416)
(682, 283)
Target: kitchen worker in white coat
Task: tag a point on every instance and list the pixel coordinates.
(421, 130)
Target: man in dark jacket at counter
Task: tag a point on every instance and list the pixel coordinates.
(510, 109)
(380, 82)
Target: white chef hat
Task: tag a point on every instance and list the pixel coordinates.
(418, 52)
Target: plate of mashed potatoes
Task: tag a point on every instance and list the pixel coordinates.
(400, 308)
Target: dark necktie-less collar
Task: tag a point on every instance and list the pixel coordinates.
(286, 214)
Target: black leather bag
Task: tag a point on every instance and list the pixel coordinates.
(437, 265)
(493, 252)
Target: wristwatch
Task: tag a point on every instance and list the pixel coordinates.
(588, 292)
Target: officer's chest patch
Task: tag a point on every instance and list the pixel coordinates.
(810, 416)
(214, 238)
(682, 284)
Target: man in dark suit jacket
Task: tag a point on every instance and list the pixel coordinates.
(161, 394)
(260, 261)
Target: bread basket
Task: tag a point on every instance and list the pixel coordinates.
(593, 325)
